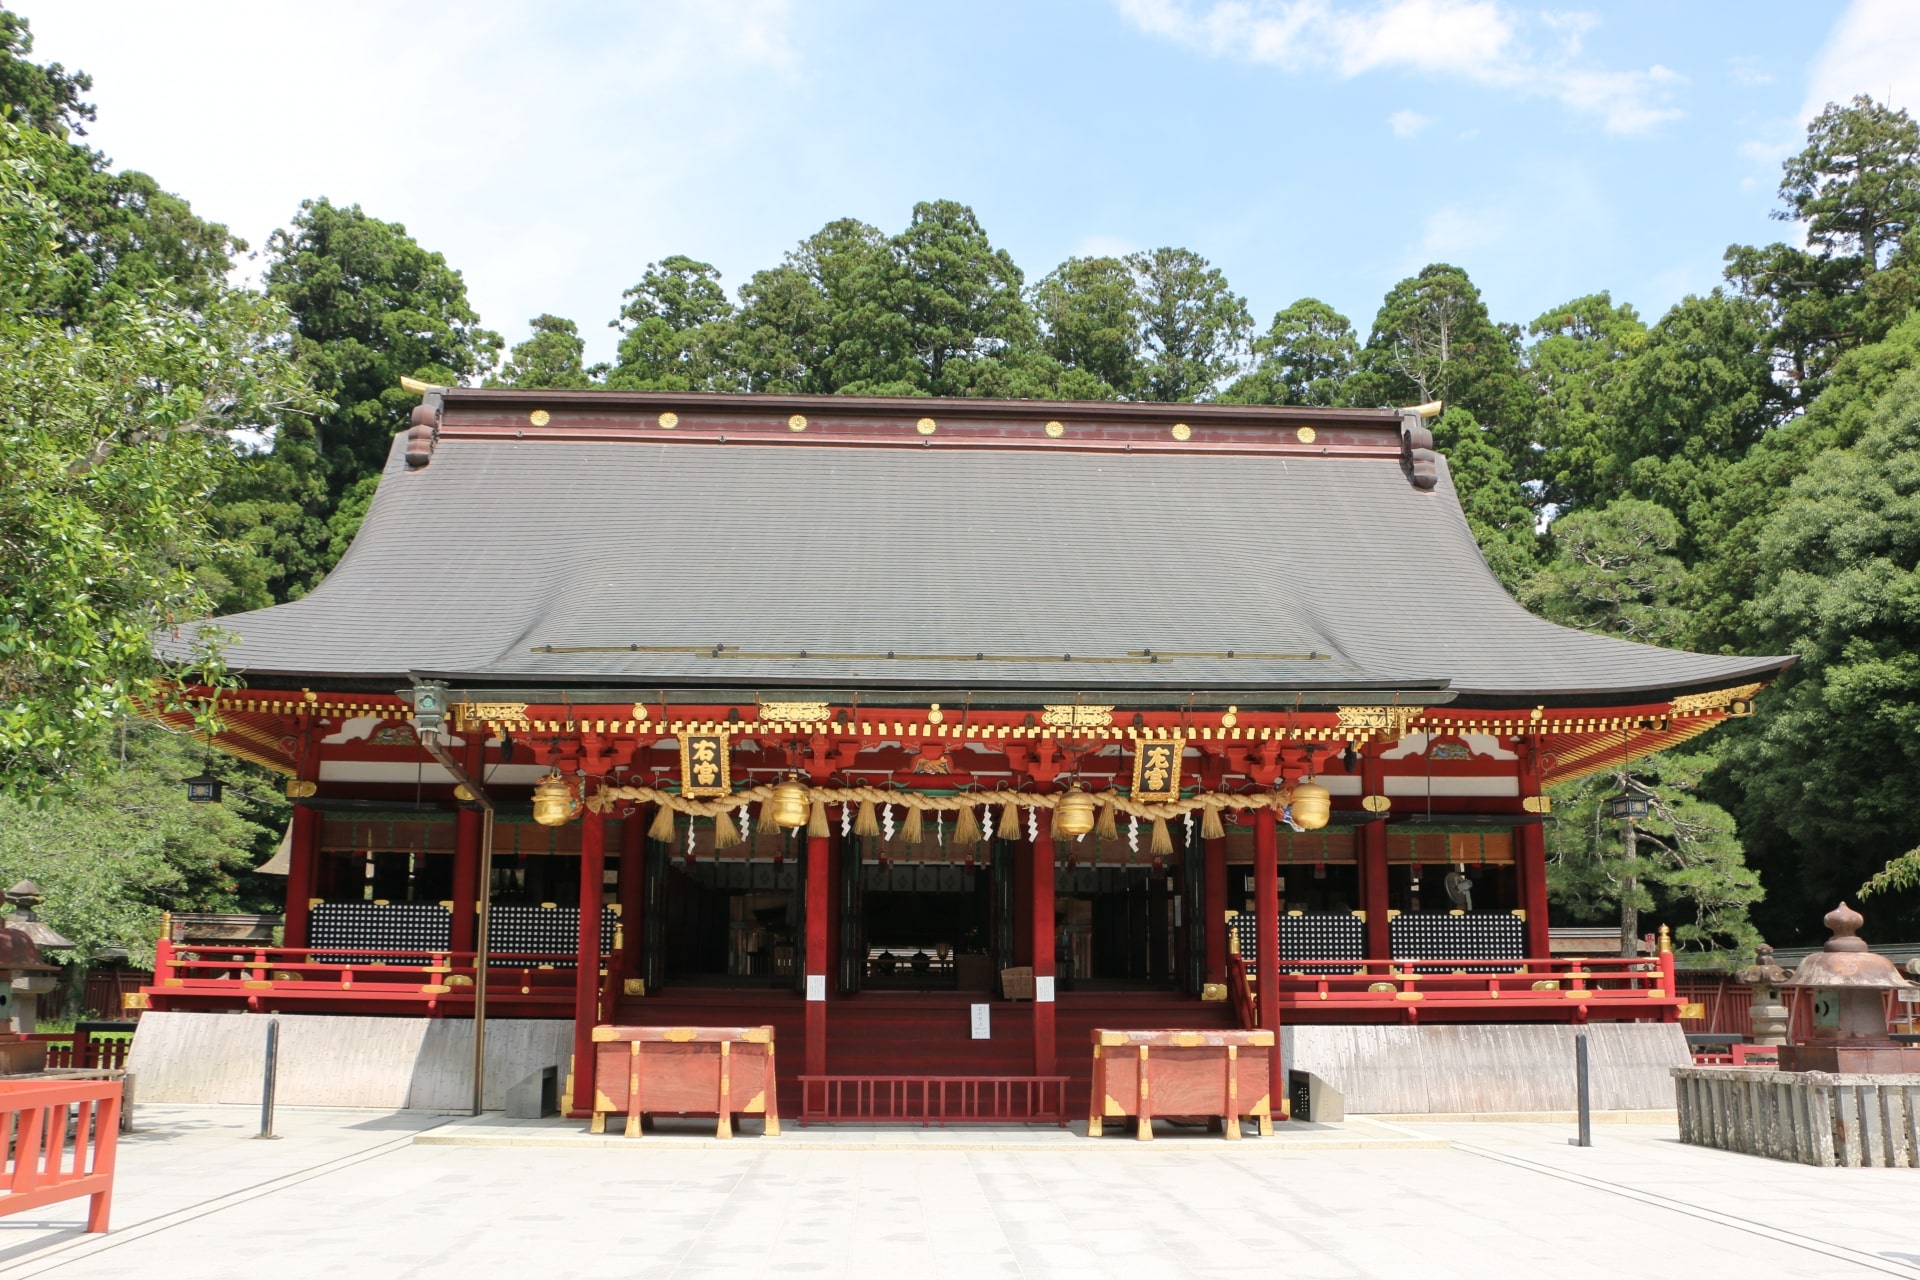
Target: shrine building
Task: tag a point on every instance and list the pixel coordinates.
(854, 716)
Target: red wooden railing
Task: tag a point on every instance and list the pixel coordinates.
(1617, 985)
(421, 978)
(931, 1100)
(40, 1168)
(67, 1049)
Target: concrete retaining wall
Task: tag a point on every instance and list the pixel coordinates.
(1475, 1069)
(328, 1061)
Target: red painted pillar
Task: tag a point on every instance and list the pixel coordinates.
(303, 866)
(819, 908)
(1374, 898)
(467, 826)
(1530, 861)
(586, 973)
(1041, 898)
(1266, 920)
(633, 893)
(1214, 894)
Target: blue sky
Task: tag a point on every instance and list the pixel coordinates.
(552, 150)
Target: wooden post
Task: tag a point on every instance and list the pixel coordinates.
(1375, 898)
(633, 898)
(466, 877)
(819, 907)
(586, 973)
(1266, 920)
(303, 866)
(1042, 906)
(1530, 856)
(1215, 911)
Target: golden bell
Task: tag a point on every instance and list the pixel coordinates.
(791, 804)
(552, 801)
(1312, 805)
(1073, 815)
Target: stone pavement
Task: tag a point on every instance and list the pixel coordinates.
(377, 1195)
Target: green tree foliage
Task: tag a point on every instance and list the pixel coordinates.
(1828, 761)
(1089, 311)
(961, 297)
(370, 306)
(1194, 329)
(1578, 352)
(46, 98)
(673, 329)
(553, 359)
(113, 435)
(1613, 571)
(1306, 357)
(127, 844)
(1683, 860)
(1433, 340)
(1496, 510)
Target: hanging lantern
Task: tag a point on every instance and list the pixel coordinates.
(553, 804)
(204, 789)
(792, 807)
(1626, 806)
(1073, 815)
(1312, 805)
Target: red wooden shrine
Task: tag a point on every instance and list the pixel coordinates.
(662, 606)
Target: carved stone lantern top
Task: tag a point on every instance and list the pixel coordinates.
(1845, 961)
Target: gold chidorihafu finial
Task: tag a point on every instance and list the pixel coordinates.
(417, 387)
(1431, 409)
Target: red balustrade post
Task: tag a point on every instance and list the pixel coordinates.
(1375, 898)
(586, 973)
(1043, 937)
(1670, 983)
(303, 859)
(819, 908)
(1266, 924)
(467, 826)
(1214, 893)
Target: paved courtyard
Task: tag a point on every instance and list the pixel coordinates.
(374, 1195)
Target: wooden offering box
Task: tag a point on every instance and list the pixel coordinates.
(1181, 1073)
(705, 1071)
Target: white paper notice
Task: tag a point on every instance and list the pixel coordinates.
(982, 1024)
(1043, 989)
(816, 986)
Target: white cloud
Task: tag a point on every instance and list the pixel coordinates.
(1874, 49)
(1407, 123)
(1478, 40)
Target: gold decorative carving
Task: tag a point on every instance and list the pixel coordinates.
(1156, 770)
(1055, 430)
(798, 422)
(1076, 716)
(1181, 431)
(493, 711)
(1306, 435)
(1688, 704)
(926, 426)
(301, 788)
(793, 712)
(1537, 804)
(935, 715)
(1231, 718)
(1213, 992)
(669, 420)
(1388, 722)
(539, 417)
(1375, 804)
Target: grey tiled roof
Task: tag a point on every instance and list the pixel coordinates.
(470, 567)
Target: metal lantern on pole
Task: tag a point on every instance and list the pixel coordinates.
(1627, 807)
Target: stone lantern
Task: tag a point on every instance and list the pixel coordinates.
(1769, 1012)
(28, 987)
(20, 960)
(1846, 987)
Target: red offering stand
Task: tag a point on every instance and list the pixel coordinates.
(1181, 1073)
(707, 1071)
